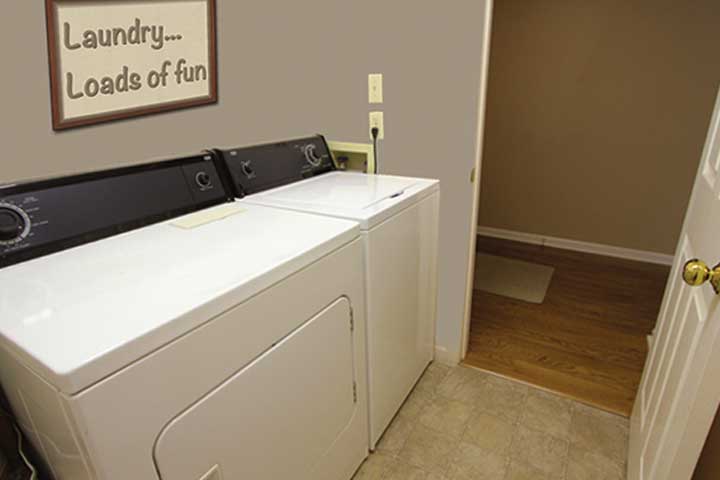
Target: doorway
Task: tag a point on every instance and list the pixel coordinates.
(596, 119)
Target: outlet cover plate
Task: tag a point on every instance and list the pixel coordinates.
(377, 119)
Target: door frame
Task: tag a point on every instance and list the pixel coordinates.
(475, 176)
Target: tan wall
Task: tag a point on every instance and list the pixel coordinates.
(708, 467)
(597, 113)
(288, 69)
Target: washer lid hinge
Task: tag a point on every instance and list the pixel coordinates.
(352, 320)
(354, 392)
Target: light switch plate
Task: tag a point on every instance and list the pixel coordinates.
(375, 88)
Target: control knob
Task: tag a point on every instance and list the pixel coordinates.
(247, 169)
(14, 224)
(311, 155)
(203, 180)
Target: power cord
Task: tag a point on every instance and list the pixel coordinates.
(375, 131)
(21, 451)
(20, 448)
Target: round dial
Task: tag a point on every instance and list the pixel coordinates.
(203, 180)
(247, 169)
(311, 156)
(14, 224)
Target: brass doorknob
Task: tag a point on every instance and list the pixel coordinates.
(696, 272)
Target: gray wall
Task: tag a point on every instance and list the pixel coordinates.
(597, 115)
(289, 69)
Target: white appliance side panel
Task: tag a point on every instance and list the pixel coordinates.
(122, 416)
(291, 405)
(402, 282)
(430, 247)
(39, 412)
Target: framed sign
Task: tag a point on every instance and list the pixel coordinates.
(113, 59)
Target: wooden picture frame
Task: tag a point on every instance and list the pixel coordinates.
(58, 40)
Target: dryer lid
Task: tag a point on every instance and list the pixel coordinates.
(365, 198)
(350, 191)
(79, 315)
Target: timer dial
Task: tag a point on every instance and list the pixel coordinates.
(247, 169)
(203, 180)
(14, 224)
(311, 155)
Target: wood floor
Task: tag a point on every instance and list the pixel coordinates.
(586, 341)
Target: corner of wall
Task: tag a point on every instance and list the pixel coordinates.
(447, 357)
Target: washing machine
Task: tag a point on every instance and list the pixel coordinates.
(399, 219)
(151, 329)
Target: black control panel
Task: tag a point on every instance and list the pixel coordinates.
(258, 168)
(43, 217)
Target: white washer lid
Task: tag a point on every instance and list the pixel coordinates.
(76, 316)
(368, 199)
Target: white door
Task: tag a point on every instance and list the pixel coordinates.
(680, 388)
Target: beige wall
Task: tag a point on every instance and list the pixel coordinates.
(289, 69)
(708, 467)
(597, 113)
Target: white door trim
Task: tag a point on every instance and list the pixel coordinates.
(465, 338)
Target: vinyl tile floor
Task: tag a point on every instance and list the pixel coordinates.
(465, 424)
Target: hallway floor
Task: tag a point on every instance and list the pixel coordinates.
(586, 341)
(465, 424)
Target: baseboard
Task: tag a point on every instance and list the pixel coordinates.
(578, 246)
(442, 355)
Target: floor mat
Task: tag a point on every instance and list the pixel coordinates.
(512, 278)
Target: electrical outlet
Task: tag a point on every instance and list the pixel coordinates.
(375, 88)
(377, 120)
